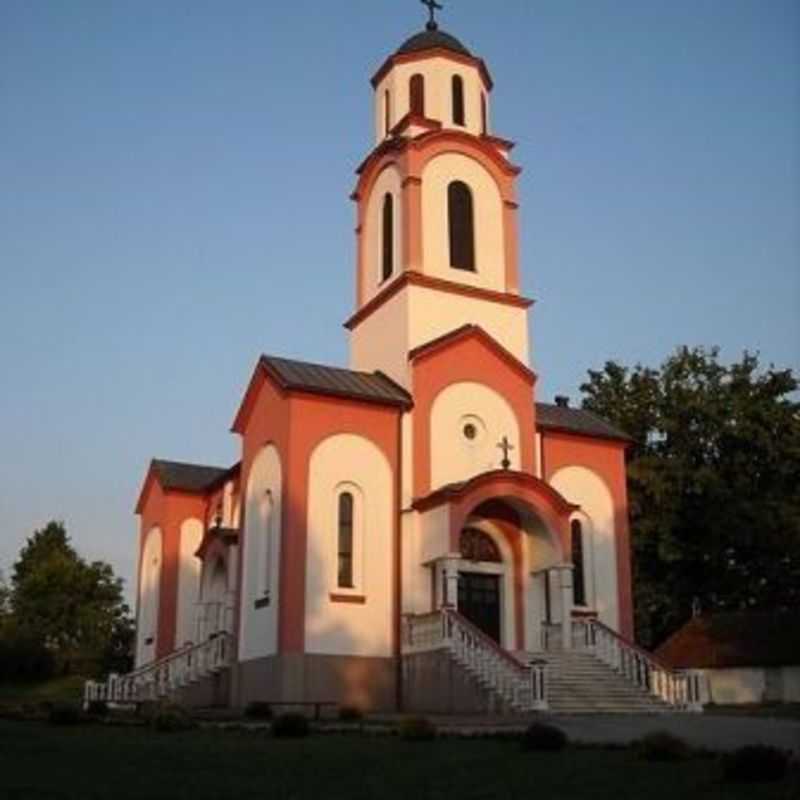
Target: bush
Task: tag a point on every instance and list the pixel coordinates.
(23, 658)
(662, 746)
(350, 714)
(258, 710)
(755, 764)
(171, 719)
(97, 708)
(11, 711)
(417, 729)
(291, 726)
(65, 714)
(539, 736)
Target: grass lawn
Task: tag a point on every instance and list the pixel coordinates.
(68, 689)
(43, 762)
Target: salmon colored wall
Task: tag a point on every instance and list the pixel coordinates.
(411, 161)
(467, 359)
(167, 510)
(607, 459)
(295, 423)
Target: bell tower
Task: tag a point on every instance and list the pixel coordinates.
(437, 241)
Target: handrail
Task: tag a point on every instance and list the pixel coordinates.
(677, 688)
(485, 639)
(173, 671)
(520, 686)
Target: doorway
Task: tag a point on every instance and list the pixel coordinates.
(479, 601)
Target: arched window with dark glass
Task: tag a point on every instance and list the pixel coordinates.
(461, 225)
(387, 112)
(458, 100)
(345, 541)
(484, 120)
(416, 91)
(387, 237)
(578, 572)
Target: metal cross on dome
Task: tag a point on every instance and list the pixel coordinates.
(506, 447)
(433, 7)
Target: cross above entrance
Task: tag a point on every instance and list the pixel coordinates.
(433, 7)
(506, 447)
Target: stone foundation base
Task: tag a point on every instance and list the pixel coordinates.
(368, 683)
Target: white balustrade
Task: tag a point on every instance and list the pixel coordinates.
(522, 687)
(683, 690)
(160, 678)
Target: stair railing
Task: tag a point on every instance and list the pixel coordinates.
(157, 679)
(681, 689)
(523, 687)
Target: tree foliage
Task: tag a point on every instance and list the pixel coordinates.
(713, 481)
(74, 608)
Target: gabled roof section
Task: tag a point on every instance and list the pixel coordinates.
(180, 476)
(563, 419)
(735, 639)
(303, 376)
(471, 331)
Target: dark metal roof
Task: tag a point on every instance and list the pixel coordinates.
(576, 420)
(196, 478)
(373, 387)
(735, 639)
(430, 39)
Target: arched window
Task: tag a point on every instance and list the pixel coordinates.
(458, 100)
(484, 120)
(462, 227)
(387, 113)
(475, 545)
(387, 239)
(266, 553)
(578, 573)
(345, 541)
(416, 91)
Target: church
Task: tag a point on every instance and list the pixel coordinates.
(416, 531)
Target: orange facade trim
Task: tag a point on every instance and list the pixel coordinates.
(433, 52)
(296, 423)
(606, 458)
(476, 358)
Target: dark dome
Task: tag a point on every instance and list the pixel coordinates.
(429, 39)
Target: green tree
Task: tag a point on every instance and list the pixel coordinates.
(713, 479)
(76, 609)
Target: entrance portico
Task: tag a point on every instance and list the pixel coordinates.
(503, 532)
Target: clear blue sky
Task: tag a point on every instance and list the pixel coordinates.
(174, 183)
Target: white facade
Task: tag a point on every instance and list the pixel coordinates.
(191, 534)
(149, 597)
(261, 556)
(356, 619)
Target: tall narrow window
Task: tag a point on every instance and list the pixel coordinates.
(578, 574)
(458, 100)
(345, 543)
(484, 120)
(387, 113)
(387, 239)
(461, 225)
(416, 90)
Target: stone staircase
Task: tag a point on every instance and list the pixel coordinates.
(578, 682)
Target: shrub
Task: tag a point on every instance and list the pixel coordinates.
(171, 719)
(11, 711)
(23, 658)
(65, 714)
(662, 746)
(258, 710)
(350, 714)
(540, 736)
(755, 764)
(97, 708)
(290, 726)
(417, 729)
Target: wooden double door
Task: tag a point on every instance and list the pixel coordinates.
(479, 601)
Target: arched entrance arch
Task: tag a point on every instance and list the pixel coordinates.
(213, 598)
(530, 523)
